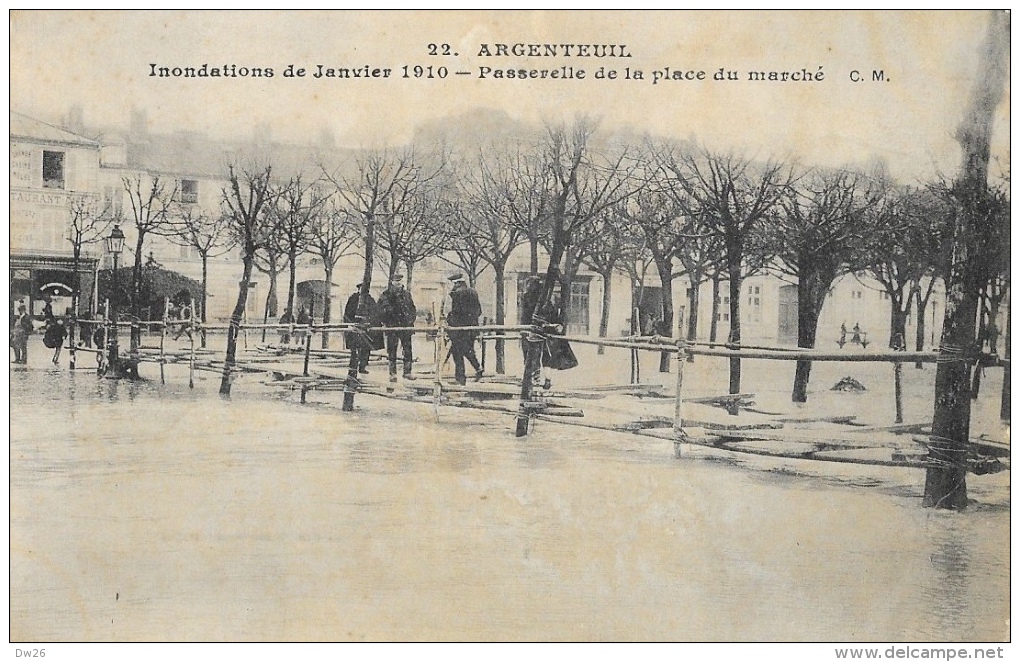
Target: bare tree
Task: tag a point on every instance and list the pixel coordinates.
(333, 233)
(945, 485)
(818, 235)
(494, 212)
(89, 218)
(379, 188)
(422, 229)
(271, 260)
(151, 201)
(907, 253)
(298, 206)
(246, 201)
(734, 195)
(209, 235)
(660, 219)
(606, 254)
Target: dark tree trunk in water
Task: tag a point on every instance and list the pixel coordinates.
(897, 325)
(920, 305)
(808, 308)
(235, 324)
(734, 336)
(205, 291)
(713, 331)
(292, 286)
(666, 323)
(693, 303)
(607, 297)
(945, 483)
(1004, 404)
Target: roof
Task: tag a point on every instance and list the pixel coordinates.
(23, 126)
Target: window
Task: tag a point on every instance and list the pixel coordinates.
(722, 317)
(885, 296)
(112, 200)
(189, 190)
(857, 294)
(53, 169)
(757, 289)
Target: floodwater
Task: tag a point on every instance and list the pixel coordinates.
(142, 512)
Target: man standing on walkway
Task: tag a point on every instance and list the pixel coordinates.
(20, 331)
(465, 310)
(353, 337)
(396, 309)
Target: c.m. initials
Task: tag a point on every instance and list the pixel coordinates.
(29, 652)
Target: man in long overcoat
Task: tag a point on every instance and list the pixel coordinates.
(465, 309)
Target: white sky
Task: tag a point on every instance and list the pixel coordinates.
(101, 61)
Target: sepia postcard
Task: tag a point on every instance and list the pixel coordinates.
(687, 327)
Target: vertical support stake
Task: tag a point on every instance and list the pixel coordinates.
(678, 422)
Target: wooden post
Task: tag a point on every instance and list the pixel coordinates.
(308, 337)
(635, 366)
(105, 367)
(191, 335)
(678, 421)
(532, 363)
(481, 336)
(162, 340)
(437, 386)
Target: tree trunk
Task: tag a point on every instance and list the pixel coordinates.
(897, 323)
(1004, 404)
(205, 293)
(235, 324)
(714, 328)
(499, 269)
(607, 298)
(136, 293)
(393, 265)
(809, 304)
(665, 269)
(533, 244)
(327, 304)
(919, 309)
(946, 481)
(734, 259)
(694, 303)
(292, 285)
(410, 272)
(272, 301)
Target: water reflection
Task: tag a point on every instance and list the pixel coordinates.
(383, 524)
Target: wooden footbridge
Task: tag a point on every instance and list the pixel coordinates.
(709, 420)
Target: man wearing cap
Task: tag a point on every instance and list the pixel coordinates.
(20, 330)
(351, 316)
(465, 310)
(396, 308)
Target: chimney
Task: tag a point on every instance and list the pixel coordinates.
(74, 121)
(139, 122)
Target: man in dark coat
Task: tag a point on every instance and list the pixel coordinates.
(396, 309)
(351, 317)
(465, 310)
(20, 331)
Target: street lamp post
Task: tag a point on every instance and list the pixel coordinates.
(114, 246)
